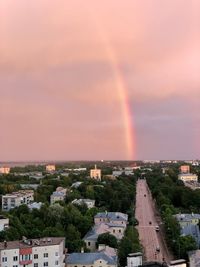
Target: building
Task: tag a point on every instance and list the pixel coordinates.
(111, 217)
(4, 223)
(188, 177)
(114, 223)
(134, 259)
(4, 170)
(90, 203)
(95, 174)
(15, 199)
(33, 253)
(58, 195)
(50, 168)
(187, 219)
(91, 259)
(194, 258)
(35, 205)
(185, 169)
(76, 185)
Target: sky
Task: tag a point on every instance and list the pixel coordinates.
(92, 80)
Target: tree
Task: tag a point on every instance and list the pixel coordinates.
(107, 239)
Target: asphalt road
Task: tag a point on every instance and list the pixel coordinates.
(145, 214)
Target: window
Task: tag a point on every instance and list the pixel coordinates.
(15, 266)
(4, 259)
(88, 244)
(113, 230)
(35, 264)
(120, 231)
(56, 254)
(56, 262)
(45, 264)
(15, 258)
(45, 255)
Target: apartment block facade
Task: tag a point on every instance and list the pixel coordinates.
(47, 252)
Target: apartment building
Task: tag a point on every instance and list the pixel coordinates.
(4, 223)
(46, 252)
(185, 169)
(4, 170)
(95, 174)
(15, 199)
(50, 168)
(58, 195)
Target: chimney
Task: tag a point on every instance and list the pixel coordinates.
(5, 244)
(82, 250)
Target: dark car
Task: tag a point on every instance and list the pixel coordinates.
(150, 222)
(144, 195)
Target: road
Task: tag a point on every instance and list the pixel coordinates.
(149, 238)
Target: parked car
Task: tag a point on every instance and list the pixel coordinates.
(150, 222)
(157, 228)
(158, 249)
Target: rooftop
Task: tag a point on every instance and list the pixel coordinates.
(29, 243)
(117, 216)
(90, 258)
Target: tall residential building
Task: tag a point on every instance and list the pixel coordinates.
(50, 168)
(185, 169)
(15, 199)
(4, 170)
(46, 252)
(95, 174)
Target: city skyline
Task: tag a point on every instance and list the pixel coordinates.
(99, 80)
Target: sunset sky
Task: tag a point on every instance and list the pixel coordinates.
(92, 80)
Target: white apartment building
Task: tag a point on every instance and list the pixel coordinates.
(50, 168)
(188, 177)
(4, 223)
(15, 199)
(185, 169)
(47, 252)
(4, 170)
(134, 259)
(95, 174)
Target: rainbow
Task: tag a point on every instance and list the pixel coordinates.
(121, 88)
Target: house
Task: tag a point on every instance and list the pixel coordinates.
(58, 195)
(76, 185)
(4, 223)
(34, 252)
(114, 223)
(15, 199)
(90, 203)
(91, 259)
(187, 219)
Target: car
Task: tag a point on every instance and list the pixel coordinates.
(144, 195)
(158, 249)
(157, 228)
(150, 222)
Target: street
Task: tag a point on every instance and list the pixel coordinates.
(152, 241)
